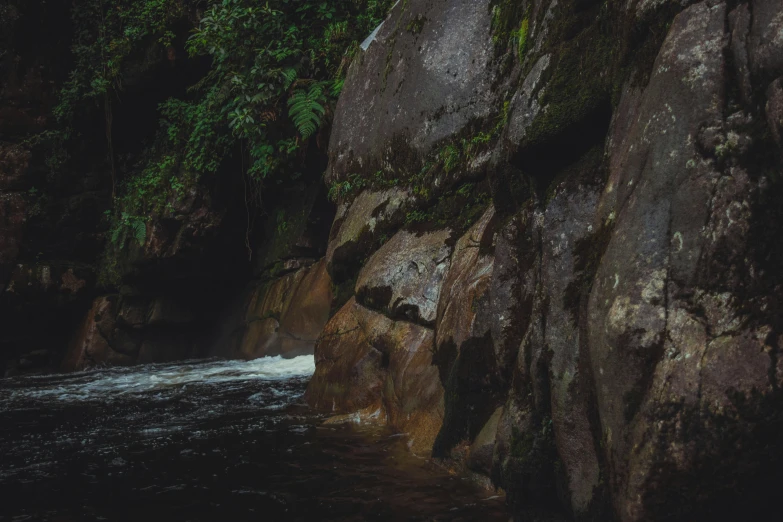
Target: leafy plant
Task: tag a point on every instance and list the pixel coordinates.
(306, 110)
(276, 67)
(129, 227)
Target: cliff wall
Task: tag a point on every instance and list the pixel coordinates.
(560, 225)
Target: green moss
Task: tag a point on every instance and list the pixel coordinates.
(416, 25)
(510, 22)
(521, 37)
(581, 81)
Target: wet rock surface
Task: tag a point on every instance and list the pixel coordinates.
(554, 258)
(606, 335)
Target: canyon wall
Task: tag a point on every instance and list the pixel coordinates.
(559, 228)
(554, 257)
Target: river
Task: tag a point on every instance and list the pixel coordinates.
(208, 441)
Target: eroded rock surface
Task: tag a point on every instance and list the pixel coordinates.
(607, 333)
(404, 277)
(365, 361)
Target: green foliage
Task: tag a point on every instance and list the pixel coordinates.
(355, 183)
(416, 25)
(107, 32)
(450, 157)
(510, 22)
(521, 37)
(276, 69)
(128, 227)
(305, 108)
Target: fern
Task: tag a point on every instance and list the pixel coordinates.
(289, 76)
(305, 108)
(115, 235)
(140, 232)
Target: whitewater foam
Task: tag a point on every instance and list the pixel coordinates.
(103, 384)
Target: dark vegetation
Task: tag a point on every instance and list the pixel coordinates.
(188, 92)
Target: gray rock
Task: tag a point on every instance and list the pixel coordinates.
(413, 87)
(404, 277)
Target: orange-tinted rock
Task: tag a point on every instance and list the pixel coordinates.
(360, 223)
(349, 370)
(307, 313)
(260, 335)
(466, 285)
(90, 346)
(286, 316)
(413, 393)
(365, 361)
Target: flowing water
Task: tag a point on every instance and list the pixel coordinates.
(208, 441)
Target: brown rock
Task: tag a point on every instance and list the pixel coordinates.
(90, 346)
(268, 302)
(349, 370)
(287, 316)
(365, 361)
(70, 282)
(260, 338)
(466, 285)
(307, 313)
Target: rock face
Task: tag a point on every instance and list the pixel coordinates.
(606, 334)
(555, 254)
(433, 57)
(365, 361)
(286, 316)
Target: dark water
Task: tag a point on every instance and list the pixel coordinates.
(208, 441)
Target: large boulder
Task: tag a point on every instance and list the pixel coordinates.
(359, 225)
(608, 333)
(91, 345)
(424, 78)
(367, 362)
(403, 278)
(679, 363)
(286, 316)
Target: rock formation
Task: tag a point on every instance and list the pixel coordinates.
(605, 331)
(555, 256)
